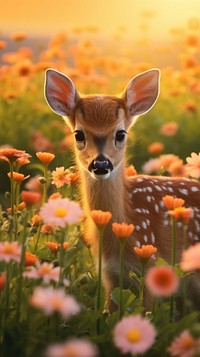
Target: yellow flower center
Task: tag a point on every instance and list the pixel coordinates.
(61, 212)
(188, 342)
(45, 270)
(56, 303)
(8, 249)
(133, 335)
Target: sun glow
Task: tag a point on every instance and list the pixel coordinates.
(120, 17)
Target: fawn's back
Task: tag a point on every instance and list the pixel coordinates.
(100, 124)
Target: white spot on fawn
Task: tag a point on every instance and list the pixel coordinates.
(149, 189)
(138, 210)
(170, 189)
(148, 222)
(156, 207)
(137, 228)
(194, 189)
(146, 238)
(153, 238)
(158, 188)
(144, 225)
(138, 243)
(183, 191)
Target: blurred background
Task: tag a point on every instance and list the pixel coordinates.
(100, 45)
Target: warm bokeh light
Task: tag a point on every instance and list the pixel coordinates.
(47, 17)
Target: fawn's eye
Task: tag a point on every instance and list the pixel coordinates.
(120, 137)
(80, 139)
(79, 135)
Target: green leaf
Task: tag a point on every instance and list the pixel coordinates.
(128, 298)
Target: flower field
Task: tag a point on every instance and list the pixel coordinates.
(52, 302)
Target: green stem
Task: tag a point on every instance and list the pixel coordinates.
(21, 267)
(12, 188)
(99, 282)
(121, 274)
(17, 190)
(185, 243)
(173, 220)
(173, 241)
(44, 198)
(184, 280)
(7, 292)
(61, 257)
(37, 237)
(141, 291)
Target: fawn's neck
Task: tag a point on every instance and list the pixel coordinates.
(106, 195)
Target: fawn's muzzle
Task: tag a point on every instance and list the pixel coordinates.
(101, 165)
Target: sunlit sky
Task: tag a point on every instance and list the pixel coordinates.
(53, 16)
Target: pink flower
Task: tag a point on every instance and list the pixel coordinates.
(193, 165)
(191, 258)
(60, 212)
(51, 300)
(162, 281)
(34, 184)
(185, 345)
(152, 165)
(10, 251)
(44, 271)
(60, 177)
(134, 334)
(169, 129)
(74, 347)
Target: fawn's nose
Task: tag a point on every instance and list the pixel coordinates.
(100, 165)
(97, 164)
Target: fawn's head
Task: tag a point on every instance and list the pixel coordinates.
(100, 122)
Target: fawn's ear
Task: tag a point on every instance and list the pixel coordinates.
(142, 92)
(60, 93)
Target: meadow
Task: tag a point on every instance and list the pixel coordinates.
(49, 287)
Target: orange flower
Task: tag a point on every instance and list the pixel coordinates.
(162, 281)
(167, 159)
(24, 68)
(13, 154)
(177, 168)
(145, 252)
(17, 177)
(21, 206)
(53, 246)
(18, 36)
(22, 161)
(2, 281)
(155, 147)
(3, 44)
(123, 230)
(55, 195)
(73, 177)
(36, 220)
(192, 41)
(30, 259)
(45, 157)
(182, 214)
(47, 229)
(190, 107)
(172, 203)
(130, 171)
(100, 218)
(30, 198)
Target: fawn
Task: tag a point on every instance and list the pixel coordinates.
(100, 124)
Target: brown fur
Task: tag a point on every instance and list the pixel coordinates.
(136, 200)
